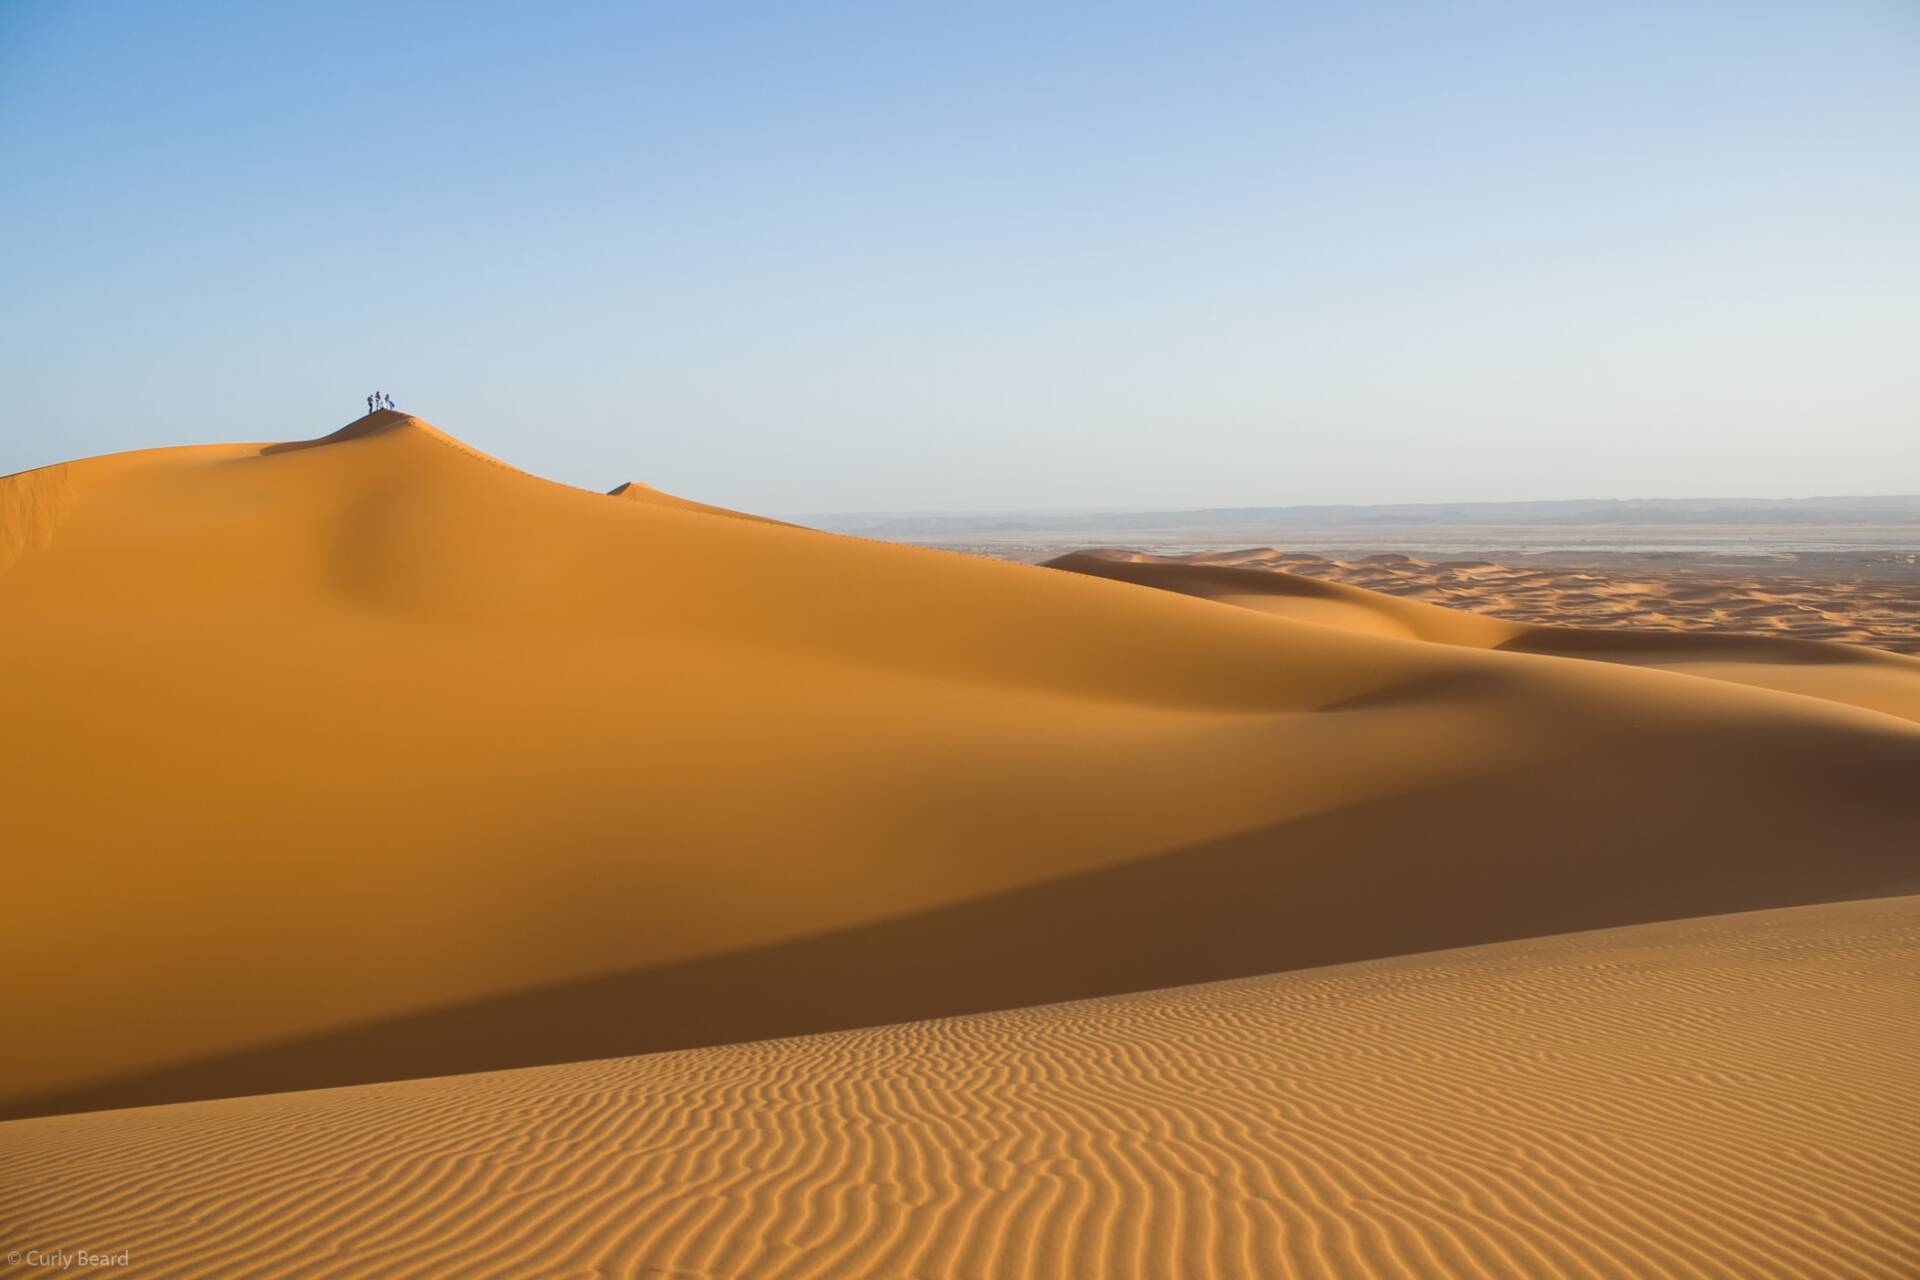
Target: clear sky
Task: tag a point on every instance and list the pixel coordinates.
(835, 257)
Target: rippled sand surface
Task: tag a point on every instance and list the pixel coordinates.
(1735, 1096)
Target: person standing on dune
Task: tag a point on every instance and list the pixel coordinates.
(369, 406)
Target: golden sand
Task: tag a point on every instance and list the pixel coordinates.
(373, 758)
(1726, 1097)
(1883, 613)
(1848, 673)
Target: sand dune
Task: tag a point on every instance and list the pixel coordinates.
(373, 757)
(1852, 674)
(1726, 1097)
(1882, 613)
(634, 491)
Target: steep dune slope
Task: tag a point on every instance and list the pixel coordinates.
(1725, 1097)
(1845, 673)
(373, 756)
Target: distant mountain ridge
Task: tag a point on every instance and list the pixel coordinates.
(1887, 509)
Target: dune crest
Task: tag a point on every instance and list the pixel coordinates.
(418, 764)
(634, 491)
(385, 422)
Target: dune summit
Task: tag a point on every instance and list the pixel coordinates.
(373, 757)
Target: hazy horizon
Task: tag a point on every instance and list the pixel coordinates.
(1106, 258)
(1068, 513)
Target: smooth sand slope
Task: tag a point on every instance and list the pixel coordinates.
(373, 757)
(1736, 1096)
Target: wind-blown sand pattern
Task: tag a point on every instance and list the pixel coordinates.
(1881, 613)
(1736, 1096)
(373, 757)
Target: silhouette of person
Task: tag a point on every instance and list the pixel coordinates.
(369, 404)
(389, 402)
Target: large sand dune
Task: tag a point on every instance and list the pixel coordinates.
(373, 757)
(1726, 1097)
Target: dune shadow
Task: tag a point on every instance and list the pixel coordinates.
(1558, 847)
(1679, 646)
(1184, 578)
(1438, 686)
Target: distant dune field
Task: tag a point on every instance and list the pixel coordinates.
(1715, 648)
(1726, 1097)
(372, 758)
(1881, 613)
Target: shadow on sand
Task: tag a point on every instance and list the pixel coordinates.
(1545, 852)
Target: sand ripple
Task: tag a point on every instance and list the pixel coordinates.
(1729, 1096)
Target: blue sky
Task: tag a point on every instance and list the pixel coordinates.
(834, 257)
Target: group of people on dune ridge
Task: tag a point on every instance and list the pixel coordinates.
(378, 401)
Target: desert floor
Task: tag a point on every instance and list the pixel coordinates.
(713, 886)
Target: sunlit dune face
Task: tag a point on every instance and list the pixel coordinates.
(374, 756)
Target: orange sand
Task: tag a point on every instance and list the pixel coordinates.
(634, 491)
(1736, 1096)
(1863, 677)
(373, 757)
(1884, 614)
